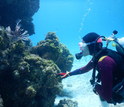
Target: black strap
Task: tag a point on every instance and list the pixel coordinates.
(92, 80)
(95, 61)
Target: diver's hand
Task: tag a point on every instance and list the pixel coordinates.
(64, 75)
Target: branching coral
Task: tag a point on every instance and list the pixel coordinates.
(12, 10)
(18, 34)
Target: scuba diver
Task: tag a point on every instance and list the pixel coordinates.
(109, 81)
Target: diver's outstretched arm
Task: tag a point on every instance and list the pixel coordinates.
(81, 70)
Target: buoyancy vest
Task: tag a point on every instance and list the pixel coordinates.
(118, 75)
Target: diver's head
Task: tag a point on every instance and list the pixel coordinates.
(91, 44)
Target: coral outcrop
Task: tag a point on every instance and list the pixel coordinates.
(52, 49)
(67, 103)
(13, 10)
(28, 74)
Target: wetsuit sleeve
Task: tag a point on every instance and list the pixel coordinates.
(82, 70)
(106, 68)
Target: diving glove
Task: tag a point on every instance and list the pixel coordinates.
(64, 75)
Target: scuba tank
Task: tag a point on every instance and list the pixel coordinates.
(119, 42)
(120, 46)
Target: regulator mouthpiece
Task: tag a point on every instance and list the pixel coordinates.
(115, 32)
(79, 55)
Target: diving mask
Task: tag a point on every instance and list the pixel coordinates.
(84, 48)
(82, 44)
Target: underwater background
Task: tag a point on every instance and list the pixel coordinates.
(71, 20)
(39, 39)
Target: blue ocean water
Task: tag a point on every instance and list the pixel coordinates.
(71, 20)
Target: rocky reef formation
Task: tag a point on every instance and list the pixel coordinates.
(28, 74)
(67, 103)
(13, 10)
(52, 49)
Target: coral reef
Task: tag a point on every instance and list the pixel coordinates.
(52, 49)
(28, 78)
(67, 103)
(28, 74)
(13, 10)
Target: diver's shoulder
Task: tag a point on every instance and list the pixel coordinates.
(105, 58)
